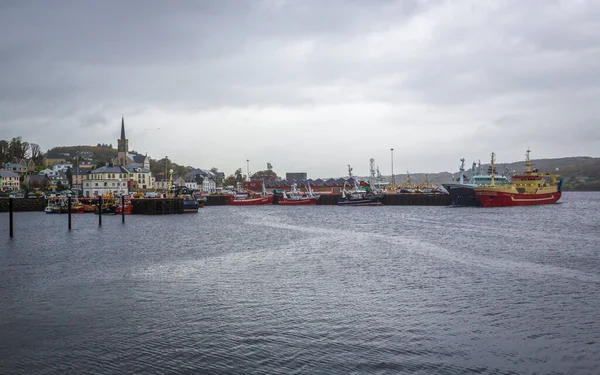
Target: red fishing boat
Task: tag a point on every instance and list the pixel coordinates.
(297, 198)
(128, 208)
(250, 200)
(530, 188)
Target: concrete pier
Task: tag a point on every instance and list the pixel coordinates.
(157, 206)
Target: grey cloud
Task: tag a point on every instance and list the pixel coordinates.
(493, 67)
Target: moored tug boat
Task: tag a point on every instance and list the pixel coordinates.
(530, 188)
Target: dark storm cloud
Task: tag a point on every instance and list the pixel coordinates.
(422, 67)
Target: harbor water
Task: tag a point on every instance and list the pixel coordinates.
(305, 290)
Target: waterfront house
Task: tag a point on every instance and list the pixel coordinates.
(47, 172)
(58, 179)
(161, 184)
(29, 164)
(178, 180)
(139, 177)
(200, 179)
(37, 181)
(104, 180)
(62, 166)
(9, 180)
(18, 169)
(78, 177)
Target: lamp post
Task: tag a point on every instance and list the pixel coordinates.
(393, 179)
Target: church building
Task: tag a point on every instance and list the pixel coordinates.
(123, 157)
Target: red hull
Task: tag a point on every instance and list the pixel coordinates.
(128, 210)
(505, 199)
(298, 202)
(251, 201)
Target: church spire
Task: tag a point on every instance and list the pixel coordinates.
(123, 127)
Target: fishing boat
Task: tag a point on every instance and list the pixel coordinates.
(201, 201)
(190, 204)
(360, 197)
(407, 186)
(250, 199)
(53, 206)
(109, 205)
(297, 198)
(529, 188)
(462, 193)
(127, 206)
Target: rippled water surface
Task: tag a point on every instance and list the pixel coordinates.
(305, 290)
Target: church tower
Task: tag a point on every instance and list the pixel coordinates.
(122, 146)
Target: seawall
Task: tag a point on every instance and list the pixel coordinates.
(23, 204)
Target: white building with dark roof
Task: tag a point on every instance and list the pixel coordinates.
(104, 180)
(200, 179)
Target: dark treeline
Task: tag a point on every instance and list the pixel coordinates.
(16, 149)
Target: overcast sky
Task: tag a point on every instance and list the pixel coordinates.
(306, 85)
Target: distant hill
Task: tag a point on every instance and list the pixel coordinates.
(579, 172)
(102, 154)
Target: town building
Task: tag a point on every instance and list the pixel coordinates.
(47, 172)
(58, 180)
(104, 180)
(62, 166)
(78, 177)
(201, 180)
(55, 157)
(219, 178)
(29, 164)
(139, 177)
(18, 169)
(9, 180)
(124, 157)
(37, 181)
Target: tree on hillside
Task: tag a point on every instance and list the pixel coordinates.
(214, 170)
(36, 153)
(268, 174)
(230, 180)
(17, 149)
(4, 153)
(238, 175)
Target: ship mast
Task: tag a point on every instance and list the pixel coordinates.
(372, 175)
(493, 168)
(462, 170)
(528, 163)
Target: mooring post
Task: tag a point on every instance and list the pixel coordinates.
(123, 209)
(10, 220)
(69, 208)
(99, 211)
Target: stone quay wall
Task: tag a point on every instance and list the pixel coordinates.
(23, 204)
